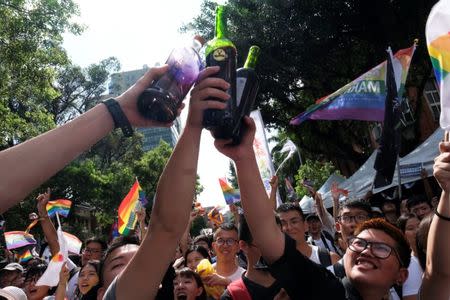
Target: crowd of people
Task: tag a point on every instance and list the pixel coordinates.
(267, 252)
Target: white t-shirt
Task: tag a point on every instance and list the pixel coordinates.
(315, 254)
(236, 275)
(414, 281)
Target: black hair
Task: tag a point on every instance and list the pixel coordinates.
(403, 219)
(416, 200)
(92, 293)
(188, 273)
(199, 249)
(356, 204)
(117, 243)
(35, 270)
(422, 238)
(286, 207)
(225, 227)
(98, 240)
(203, 238)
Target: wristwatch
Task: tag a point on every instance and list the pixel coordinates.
(119, 118)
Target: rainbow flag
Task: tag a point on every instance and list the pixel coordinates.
(25, 256)
(60, 206)
(73, 243)
(438, 41)
(230, 194)
(127, 210)
(17, 239)
(362, 99)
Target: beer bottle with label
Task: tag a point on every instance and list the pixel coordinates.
(247, 85)
(162, 99)
(221, 52)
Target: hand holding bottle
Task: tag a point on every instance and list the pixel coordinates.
(128, 100)
(204, 96)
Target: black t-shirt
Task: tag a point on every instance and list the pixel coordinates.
(303, 278)
(255, 290)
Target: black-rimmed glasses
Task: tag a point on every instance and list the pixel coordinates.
(378, 249)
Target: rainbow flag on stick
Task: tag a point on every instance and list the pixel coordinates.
(127, 209)
(363, 98)
(231, 195)
(438, 41)
(18, 239)
(60, 206)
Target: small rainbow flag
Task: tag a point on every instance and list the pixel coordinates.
(60, 206)
(230, 194)
(17, 239)
(438, 41)
(127, 210)
(25, 256)
(215, 216)
(73, 243)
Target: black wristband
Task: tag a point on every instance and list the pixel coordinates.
(119, 118)
(441, 216)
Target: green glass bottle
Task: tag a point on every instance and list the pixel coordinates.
(247, 85)
(221, 52)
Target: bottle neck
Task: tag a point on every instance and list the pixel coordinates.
(221, 23)
(252, 58)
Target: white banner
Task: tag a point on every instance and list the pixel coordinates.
(262, 153)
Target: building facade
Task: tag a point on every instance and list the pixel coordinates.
(120, 82)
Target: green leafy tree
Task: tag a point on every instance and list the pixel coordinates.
(315, 172)
(30, 53)
(312, 48)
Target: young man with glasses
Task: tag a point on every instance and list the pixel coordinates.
(226, 247)
(369, 277)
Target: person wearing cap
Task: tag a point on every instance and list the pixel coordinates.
(11, 275)
(12, 293)
(319, 237)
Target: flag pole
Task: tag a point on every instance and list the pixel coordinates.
(57, 218)
(399, 179)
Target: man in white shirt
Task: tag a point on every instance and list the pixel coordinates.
(226, 247)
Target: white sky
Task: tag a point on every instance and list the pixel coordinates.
(140, 32)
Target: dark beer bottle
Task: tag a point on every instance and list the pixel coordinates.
(247, 85)
(162, 99)
(221, 52)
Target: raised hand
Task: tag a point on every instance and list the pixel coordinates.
(205, 89)
(42, 200)
(245, 149)
(441, 169)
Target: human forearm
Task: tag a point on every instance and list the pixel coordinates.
(266, 234)
(438, 259)
(170, 215)
(41, 157)
(50, 234)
